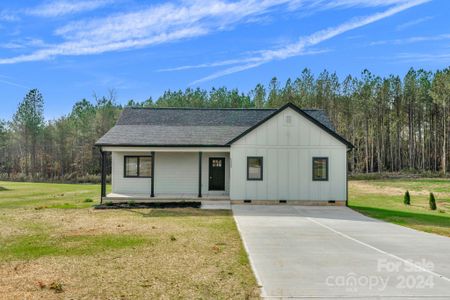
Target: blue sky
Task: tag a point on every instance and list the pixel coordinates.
(70, 49)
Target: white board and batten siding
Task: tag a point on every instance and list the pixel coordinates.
(288, 142)
(126, 185)
(175, 173)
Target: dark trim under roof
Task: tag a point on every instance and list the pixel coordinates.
(301, 112)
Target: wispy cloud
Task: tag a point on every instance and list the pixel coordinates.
(65, 7)
(299, 48)
(23, 43)
(232, 62)
(7, 80)
(413, 23)
(8, 16)
(411, 40)
(154, 25)
(358, 3)
(173, 21)
(423, 57)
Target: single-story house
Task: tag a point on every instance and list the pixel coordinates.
(285, 155)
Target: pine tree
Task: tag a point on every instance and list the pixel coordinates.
(29, 120)
(259, 96)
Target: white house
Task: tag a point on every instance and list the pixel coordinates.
(285, 155)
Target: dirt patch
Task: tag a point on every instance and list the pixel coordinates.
(139, 274)
(29, 280)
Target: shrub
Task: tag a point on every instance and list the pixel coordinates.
(109, 203)
(88, 200)
(407, 198)
(432, 202)
(132, 203)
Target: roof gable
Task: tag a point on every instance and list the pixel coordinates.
(308, 116)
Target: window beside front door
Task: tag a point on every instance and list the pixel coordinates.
(254, 168)
(138, 166)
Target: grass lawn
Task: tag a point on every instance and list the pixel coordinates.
(383, 199)
(53, 245)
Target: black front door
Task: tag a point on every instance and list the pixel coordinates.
(216, 173)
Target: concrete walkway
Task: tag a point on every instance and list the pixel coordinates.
(334, 252)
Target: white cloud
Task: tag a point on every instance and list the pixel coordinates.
(413, 23)
(154, 25)
(8, 16)
(23, 43)
(423, 57)
(168, 22)
(7, 80)
(232, 62)
(411, 40)
(85, 47)
(363, 3)
(65, 7)
(298, 48)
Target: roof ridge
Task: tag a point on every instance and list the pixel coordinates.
(216, 108)
(199, 108)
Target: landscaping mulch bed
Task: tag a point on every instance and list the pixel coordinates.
(119, 205)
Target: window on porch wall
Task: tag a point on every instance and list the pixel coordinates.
(138, 166)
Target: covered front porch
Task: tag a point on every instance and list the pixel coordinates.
(164, 197)
(167, 174)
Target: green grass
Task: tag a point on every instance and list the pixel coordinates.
(47, 195)
(383, 199)
(50, 235)
(39, 245)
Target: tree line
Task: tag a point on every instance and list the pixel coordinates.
(396, 124)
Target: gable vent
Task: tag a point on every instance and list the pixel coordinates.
(288, 120)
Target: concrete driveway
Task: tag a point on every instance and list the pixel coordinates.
(335, 252)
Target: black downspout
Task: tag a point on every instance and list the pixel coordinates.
(103, 177)
(152, 193)
(346, 178)
(200, 174)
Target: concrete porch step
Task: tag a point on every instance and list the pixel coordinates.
(216, 204)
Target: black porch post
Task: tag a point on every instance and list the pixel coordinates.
(152, 193)
(103, 177)
(200, 174)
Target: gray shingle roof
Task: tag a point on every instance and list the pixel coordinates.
(188, 126)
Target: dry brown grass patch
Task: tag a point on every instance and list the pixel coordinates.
(204, 260)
